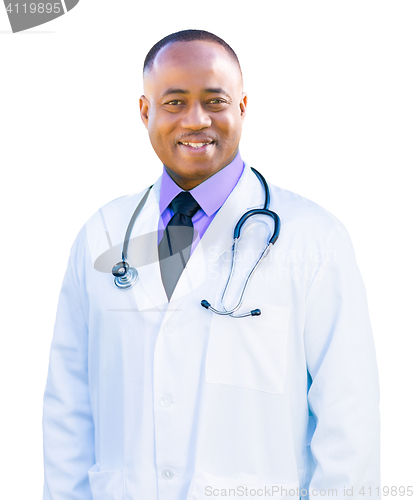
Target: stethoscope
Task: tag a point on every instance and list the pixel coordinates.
(125, 276)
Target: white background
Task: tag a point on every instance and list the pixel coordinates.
(331, 116)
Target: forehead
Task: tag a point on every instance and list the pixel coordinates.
(193, 66)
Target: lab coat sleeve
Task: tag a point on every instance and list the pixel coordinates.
(343, 395)
(68, 430)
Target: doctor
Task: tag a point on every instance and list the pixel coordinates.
(149, 396)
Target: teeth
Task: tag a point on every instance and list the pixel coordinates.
(195, 144)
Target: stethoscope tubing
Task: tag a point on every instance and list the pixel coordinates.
(255, 312)
(237, 233)
(132, 222)
(125, 276)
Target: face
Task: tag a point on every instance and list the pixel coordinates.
(193, 109)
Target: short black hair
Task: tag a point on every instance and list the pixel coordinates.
(187, 36)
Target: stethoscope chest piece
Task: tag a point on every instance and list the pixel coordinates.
(124, 275)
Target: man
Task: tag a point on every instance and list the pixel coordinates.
(151, 396)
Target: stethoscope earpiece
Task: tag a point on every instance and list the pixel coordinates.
(255, 312)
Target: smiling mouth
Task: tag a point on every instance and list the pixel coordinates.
(196, 145)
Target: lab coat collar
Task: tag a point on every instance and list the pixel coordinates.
(149, 273)
(247, 194)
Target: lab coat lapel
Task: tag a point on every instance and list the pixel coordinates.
(145, 229)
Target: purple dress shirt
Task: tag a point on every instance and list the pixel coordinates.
(210, 194)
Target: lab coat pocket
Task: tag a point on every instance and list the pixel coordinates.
(249, 352)
(108, 484)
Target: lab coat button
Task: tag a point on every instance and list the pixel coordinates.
(169, 327)
(165, 401)
(167, 474)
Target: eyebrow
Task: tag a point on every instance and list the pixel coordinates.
(185, 92)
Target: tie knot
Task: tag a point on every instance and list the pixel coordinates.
(185, 204)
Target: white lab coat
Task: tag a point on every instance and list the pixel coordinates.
(149, 400)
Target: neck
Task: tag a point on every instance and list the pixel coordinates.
(187, 184)
(184, 183)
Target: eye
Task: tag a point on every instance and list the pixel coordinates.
(173, 106)
(217, 104)
(175, 102)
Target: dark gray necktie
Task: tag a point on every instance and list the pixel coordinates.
(174, 248)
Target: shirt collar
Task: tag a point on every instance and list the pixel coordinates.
(210, 194)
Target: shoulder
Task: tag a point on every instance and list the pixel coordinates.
(107, 225)
(117, 206)
(118, 210)
(306, 218)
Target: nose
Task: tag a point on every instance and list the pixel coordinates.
(195, 117)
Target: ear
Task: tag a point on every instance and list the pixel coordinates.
(144, 109)
(243, 103)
